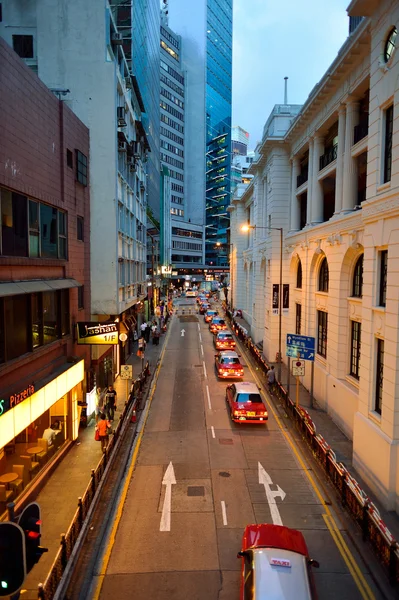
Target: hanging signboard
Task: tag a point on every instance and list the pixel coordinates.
(276, 296)
(97, 333)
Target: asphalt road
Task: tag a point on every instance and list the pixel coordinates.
(190, 553)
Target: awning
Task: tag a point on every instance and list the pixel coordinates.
(14, 288)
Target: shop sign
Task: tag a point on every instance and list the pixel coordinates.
(276, 298)
(14, 399)
(97, 333)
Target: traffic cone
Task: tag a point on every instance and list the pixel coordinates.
(133, 419)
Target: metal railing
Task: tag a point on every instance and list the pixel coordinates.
(47, 590)
(302, 178)
(353, 498)
(329, 155)
(361, 130)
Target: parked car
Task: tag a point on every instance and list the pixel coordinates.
(275, 564)
(217, 324)
(209, 315)
(204, 307)
(224, 340)
(245, 403)
(228, 365)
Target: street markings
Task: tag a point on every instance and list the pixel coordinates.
(200, 337)
(266, 481)
(206, 376)
(202, 350)
(168, 480)
(209, 398)
(343, 548)
(224, 514)
(183, 331)
(213, 431)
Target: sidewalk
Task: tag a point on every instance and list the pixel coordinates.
(340, 444)
(58, 499)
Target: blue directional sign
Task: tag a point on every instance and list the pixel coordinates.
(302, 346)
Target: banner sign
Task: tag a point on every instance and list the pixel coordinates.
(276, 298)
(97, 333)
(286, 298)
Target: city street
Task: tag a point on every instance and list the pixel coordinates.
(196, 485)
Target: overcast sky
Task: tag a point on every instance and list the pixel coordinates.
(277, 38)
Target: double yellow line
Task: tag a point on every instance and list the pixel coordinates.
(329, 520)
(111, 541)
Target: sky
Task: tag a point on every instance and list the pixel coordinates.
(277, 38)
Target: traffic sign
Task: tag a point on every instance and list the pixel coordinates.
(298, 368)
(126, 371)
(302, 346)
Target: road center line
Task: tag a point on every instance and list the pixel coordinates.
(213, 431)
(224, 514)
(209, 398)
(200, 337)
(202, 352)
(199, 328)
(203, 362)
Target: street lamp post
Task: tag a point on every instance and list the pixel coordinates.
(280, 311)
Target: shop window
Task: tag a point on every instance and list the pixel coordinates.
(357, 289)
(48, 221)
(16, 321)
(50, 317)
(37, 320)
(14, 224)
(323, 276)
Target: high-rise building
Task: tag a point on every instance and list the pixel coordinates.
(239, 140)
(206, 30)
(181, 225)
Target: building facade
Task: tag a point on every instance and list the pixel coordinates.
(44, 271)
(90, 72)
(239, 141)
(331, 181)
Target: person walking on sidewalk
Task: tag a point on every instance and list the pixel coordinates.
(143, 327)
(147, 332)
(110, 403)
(271, 378)
(103, 428)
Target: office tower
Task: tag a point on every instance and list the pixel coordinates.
(239, 140)
(206, 31)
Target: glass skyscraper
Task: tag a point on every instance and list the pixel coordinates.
(218, 129)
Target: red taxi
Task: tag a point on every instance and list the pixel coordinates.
(224, 340)
(275, 563)
(204, 307)
(200, 299)
(217, 324)
(209, 315)
(245, 403)
(228, 365)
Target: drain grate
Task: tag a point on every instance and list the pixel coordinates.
(196, 490)
(226, 441)
(224, 474)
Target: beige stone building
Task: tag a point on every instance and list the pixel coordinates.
(329, 177)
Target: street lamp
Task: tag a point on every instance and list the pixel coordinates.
(246, 228)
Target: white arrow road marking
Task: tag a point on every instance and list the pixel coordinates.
(266, 481)
(213, 431)
(183, 331)
(203, 362)
(202, 350)
(169, 479)
(209, 398)
(224, 514)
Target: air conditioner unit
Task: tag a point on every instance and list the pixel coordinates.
(122, 147)
(128, 83)
(117, 39)
(120, 111)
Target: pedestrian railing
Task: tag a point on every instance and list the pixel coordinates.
(353, 498)
(47, 590)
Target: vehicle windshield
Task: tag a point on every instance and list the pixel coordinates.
(245, 397)
(218, 321)
(229, 360)
(211, 312)
(225, 336)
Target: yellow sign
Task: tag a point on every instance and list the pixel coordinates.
(97, 333)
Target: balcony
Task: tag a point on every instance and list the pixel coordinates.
(361, 131)
(302, 178)
(328, 157)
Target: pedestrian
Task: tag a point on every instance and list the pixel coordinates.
(271, 378)
(103, 428)
(147, 332)
(110, 403)
(99, 403)
(143, 327)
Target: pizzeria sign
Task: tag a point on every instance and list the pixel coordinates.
(97, 333)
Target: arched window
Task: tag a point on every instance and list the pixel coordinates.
(323, 276)
(357, 288)
(299, 276)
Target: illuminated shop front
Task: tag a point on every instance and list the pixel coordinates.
(35, 422)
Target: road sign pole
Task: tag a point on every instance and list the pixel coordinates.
(311, 385)
(297, 392)
(289, 376)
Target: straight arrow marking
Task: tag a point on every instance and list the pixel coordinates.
(266, 481)
(183, 331)
(169, 479)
